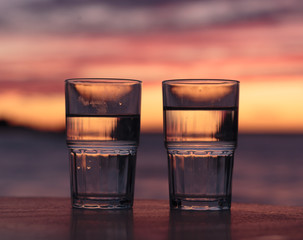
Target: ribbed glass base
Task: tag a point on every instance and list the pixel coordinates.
(202, 204)
(108, 203)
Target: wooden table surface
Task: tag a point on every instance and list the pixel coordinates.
(53, 218)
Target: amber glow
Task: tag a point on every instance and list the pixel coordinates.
(90, 128)
(192, 125)
(200, 93)
(265, 56)
(36, 110)
(264, 107)
(97, 94)
(270, 107)
(151, 108)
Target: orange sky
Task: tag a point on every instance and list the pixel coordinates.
(266, 58)
(264, 107)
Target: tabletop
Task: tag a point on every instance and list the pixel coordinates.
(53, 218)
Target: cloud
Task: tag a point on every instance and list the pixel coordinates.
(59, 17)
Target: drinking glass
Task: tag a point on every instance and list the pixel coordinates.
(102, 131)
(201, 128)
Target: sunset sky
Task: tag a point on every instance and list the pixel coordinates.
(259, 43)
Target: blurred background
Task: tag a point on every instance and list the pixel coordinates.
(259, 43)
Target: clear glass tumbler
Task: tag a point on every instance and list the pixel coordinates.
(102, 131)
(201, 129)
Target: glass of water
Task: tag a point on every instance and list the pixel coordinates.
(102, 130)
(201, 128)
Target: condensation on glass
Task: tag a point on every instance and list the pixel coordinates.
(102, 133)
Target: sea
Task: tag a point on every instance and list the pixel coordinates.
(268, 169)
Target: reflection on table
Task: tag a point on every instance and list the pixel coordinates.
(53, 218)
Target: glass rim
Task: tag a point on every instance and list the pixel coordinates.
(200, 81)
(101, 80)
